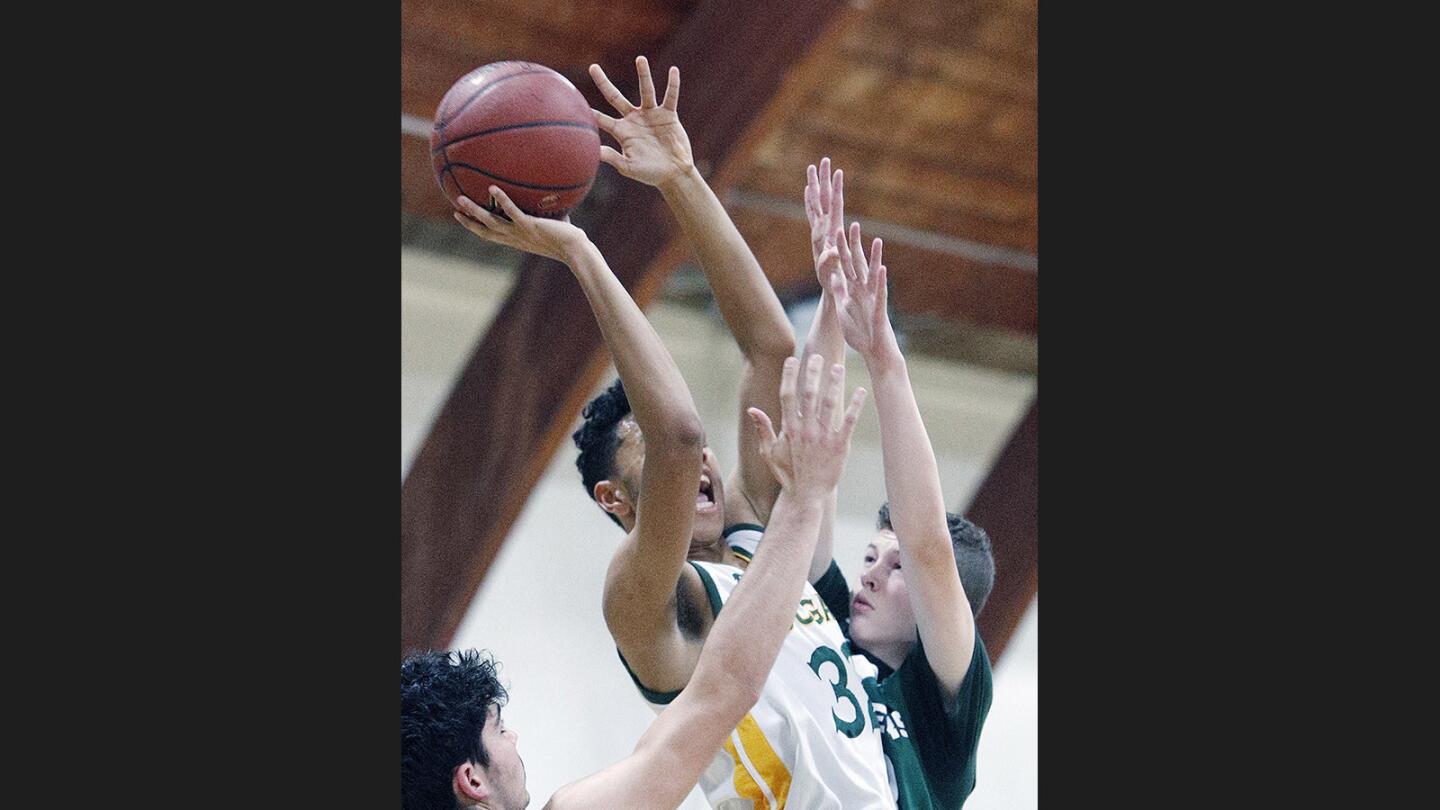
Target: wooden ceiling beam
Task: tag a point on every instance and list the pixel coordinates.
(1006, 507)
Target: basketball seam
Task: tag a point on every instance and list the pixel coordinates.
(571, 124)
(456, 181)
(534, 186)
(442, 124)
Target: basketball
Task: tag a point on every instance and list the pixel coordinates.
(522, 127)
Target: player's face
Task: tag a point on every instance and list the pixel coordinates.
(880, 611)
(709, 495)
(506, 772)
(709, 499)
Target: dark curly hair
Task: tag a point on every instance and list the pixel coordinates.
(596, 437)
(444, 699)
(972, 556)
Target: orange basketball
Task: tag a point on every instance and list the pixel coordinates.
(522, 127)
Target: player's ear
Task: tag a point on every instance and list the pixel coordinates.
(613, 498)
(469, 783)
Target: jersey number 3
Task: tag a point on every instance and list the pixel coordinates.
(850, 728)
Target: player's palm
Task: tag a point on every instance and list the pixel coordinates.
(861, 299)
(809, 452)
(825, 209)
(553, 238)
(654, 148)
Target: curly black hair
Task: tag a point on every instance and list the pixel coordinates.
(596, 437)
(444, 700)
(973, 557)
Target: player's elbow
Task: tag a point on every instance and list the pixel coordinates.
(744, 696)
(689, 433)
(682, 433)
(749, 683)
(932, 549)
(772, 347)
(733, 691)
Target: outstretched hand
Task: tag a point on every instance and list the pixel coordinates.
(556, 239)
(825, 208)
(808, 455)
(860, 296)
(654, 148)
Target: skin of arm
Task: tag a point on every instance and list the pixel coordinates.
(825, 209)
(807, 458)
(655, 150)
(912, 477)
(640, 589)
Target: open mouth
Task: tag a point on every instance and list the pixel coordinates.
(705, 498)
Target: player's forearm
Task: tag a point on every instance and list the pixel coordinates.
(745, 639)
(917, 514)
(747, 301)
(912, 476)
(657, 392)
(827, 340)
(825, 546)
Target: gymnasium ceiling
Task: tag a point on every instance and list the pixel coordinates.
(928, 105)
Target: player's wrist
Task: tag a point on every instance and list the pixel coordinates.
(685, 178)
(884, 357)
(576, 249)
(805, 496)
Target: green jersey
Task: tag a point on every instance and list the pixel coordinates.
(930, 746)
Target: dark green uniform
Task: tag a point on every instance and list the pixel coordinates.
(931, 746)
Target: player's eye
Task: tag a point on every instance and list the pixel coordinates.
(869, 560)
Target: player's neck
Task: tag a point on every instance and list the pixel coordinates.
(716, 552)
(893, 653)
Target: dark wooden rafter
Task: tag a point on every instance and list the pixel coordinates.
(1006, 507)
(521, 390)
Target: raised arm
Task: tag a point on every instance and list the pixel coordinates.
(912, 478)
(807, 457)
(640, 591)
(825, 209)
(655, 150)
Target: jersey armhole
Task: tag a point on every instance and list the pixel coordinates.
(661, 698)
(665, 698)
(710, 589)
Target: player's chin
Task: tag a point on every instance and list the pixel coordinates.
(708, 511)
(709, 520)
(860, 627)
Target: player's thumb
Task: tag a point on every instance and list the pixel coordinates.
(609, 155)
(764, 428)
